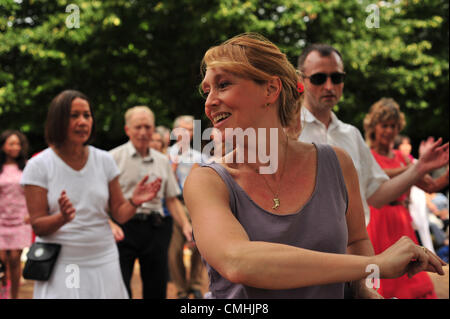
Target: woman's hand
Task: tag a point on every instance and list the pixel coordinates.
(145, 192)
(117, 231)
(433, 155)
(405, 257)
(66, 209)
(426, 145)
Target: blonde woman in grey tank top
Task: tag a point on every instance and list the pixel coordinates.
(297, 231)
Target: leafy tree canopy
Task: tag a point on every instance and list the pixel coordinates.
(129, 52)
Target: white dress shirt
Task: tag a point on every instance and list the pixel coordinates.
(349, 138)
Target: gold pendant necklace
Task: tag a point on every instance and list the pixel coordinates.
(276, 202)
(276, 199)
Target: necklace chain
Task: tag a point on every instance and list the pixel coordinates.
(275, 199)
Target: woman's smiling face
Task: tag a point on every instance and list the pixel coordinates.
(12, 146)
(385, 132)
(232, 101)
(80, 122)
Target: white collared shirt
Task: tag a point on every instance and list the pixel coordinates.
(349, 138)
(133, 168)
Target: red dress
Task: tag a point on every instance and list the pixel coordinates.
(386, 226)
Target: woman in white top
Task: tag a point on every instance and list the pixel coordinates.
(69, 188)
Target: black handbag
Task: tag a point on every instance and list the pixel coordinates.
(41, 259)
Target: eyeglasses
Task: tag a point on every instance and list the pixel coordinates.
(321, 78)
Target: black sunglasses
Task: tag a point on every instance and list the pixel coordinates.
(321, 78)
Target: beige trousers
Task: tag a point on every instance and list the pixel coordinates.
(177, 268)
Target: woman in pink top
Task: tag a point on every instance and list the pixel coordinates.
(15, 234)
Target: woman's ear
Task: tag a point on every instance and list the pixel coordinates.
(273, 89)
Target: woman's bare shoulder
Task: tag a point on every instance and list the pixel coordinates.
(203, 178)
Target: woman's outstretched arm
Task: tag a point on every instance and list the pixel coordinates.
(226, 247)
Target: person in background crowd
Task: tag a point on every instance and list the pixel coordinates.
(69, 188)
(392, 221)
(160, 143)
(437, 207)
(164, 132)
(146, 236)
(157, 142)
(183, 157)
(403, 144)
(422, 224)
(15, 233)
(322, 74)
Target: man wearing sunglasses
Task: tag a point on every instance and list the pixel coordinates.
(322, 73)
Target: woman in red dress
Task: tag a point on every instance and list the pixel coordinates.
(387, 224)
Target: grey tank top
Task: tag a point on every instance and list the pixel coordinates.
(320, 225)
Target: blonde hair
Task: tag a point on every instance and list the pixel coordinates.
(252, 56)
(386, 109)
(140, 108)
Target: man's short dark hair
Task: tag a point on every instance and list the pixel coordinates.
(58, 117)
(323, 49)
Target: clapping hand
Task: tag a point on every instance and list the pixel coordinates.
(433, 155)
(145, 192)
(66, 208)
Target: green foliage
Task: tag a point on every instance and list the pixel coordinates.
(127, 52)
